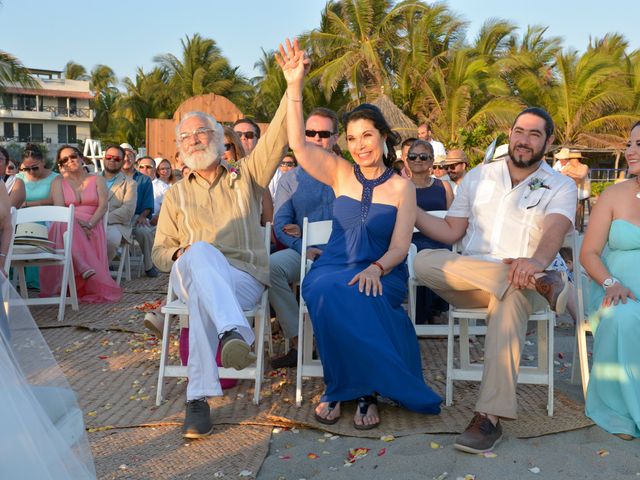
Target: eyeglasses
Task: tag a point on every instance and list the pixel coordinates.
(145, 167)
(201, 133)
(63, 161)
(423, 157)
(229, 146)
(115, 158)
(320, 133)
(29, 169)
(438, 167)
(287, 164)
(452, 166)
(248, 135)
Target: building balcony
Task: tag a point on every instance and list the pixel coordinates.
(46, 113)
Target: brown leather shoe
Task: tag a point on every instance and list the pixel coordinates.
(480, 436)
(554, 287)
(288, 360)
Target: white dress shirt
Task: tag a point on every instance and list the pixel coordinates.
(506, 221)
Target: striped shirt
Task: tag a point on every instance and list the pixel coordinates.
(226, 213)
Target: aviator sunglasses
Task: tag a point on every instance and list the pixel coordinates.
(320, 133)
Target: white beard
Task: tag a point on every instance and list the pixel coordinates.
(199, 159)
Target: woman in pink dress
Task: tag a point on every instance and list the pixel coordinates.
(88, 193)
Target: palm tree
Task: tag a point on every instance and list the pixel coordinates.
(201, 70)
(75, 71)
(357, 41)
(12, 71)
(592, 100)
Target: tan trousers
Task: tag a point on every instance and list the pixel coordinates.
(468, 282)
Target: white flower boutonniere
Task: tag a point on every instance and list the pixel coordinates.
(234, 173)
(535, 184)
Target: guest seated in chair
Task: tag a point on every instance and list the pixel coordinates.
(512, 218)
(88, 193)
(209, 238)
(431, 194)
(611, 257)
(355, 289)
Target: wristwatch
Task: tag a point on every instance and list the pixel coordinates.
(609, 281)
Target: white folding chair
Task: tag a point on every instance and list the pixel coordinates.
(540, 374)
(7, 260)
(260, 316)
(61, 257)
(421, 330)
(580, 356)
(313, 233)
(124, 261)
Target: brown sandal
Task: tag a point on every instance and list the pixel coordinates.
(330, 407)
(364, 403)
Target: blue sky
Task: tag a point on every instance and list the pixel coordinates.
(128, 34)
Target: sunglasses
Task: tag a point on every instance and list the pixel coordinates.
(247, 135)
(63, 161)
(145, 167)
(287, 164)
(29, 169)
(452, 166)
(229, 146)
(423, 157)
(438, 167)
(115, 158)
(320, 133)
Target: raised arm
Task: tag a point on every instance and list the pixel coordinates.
(317, 162)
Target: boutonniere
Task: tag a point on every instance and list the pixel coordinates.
(536, 184)
(234, 173)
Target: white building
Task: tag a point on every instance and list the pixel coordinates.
(56, 113)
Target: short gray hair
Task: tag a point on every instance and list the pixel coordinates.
(218, 131)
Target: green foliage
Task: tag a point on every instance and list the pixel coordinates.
(598, 187)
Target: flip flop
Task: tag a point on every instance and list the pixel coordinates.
(363, 408)
(330, 408)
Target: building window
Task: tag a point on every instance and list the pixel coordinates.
(26, 102)
(7, 100)
(67, 134)
(8, 130)
(30, 132)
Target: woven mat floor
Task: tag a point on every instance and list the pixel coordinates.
(112, 364)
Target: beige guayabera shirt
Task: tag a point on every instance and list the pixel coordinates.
(226, 213)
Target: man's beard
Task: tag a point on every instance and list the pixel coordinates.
(520, 163)
(201, 158)
(112, 170)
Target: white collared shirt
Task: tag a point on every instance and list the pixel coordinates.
(506, 221)
(438, 149)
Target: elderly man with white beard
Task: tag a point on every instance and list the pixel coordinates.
(209, 238)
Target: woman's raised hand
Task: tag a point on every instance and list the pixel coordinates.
(293, 62)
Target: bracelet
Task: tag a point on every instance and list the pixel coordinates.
(379, 265)
(289, 98)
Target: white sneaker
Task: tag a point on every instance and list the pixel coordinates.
(155, 322)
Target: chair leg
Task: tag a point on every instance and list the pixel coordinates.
(551, 323)
(22, 281)
(301, 347)
(73, 291)
(450, 345)
(164, 353)
(260, 320)
(64, 286)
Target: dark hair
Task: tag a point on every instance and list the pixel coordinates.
(32, 151)
(425, 144)
(250, 122)
(172, 177)
(541, 113)
(325, 113)
(115, 146)
(370, 112)
(290, 154)
(75, 149)
(408, 141)
(5, 154)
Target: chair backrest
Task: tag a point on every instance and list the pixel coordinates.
(7, 259)
(46, 213)
(313, 233)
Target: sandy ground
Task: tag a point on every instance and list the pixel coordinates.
(589, 453)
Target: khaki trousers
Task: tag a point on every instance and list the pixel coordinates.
(469, 282)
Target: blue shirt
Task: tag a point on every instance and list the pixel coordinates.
(145, 193)
(300, 195)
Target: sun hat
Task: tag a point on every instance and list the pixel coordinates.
(455, 156)
(563, 154)
(32, 233)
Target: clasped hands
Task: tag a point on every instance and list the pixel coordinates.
(86, 227)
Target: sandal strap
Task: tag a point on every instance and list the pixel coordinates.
(332, 405)
(365, 402)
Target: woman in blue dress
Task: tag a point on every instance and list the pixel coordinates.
(611, 256)
(355, 290)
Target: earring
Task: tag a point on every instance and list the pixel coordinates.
(385, 149)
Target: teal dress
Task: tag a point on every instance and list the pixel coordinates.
(613, 394)
(36, 191)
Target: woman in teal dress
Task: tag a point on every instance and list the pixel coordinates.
(355, 289)
(37, 182)
(611, 256)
